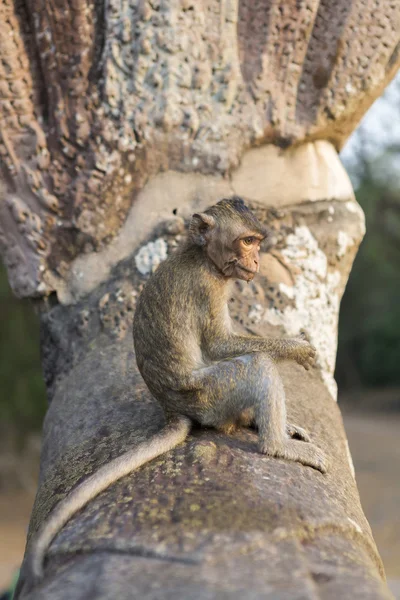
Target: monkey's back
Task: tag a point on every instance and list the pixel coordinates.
(167, 327)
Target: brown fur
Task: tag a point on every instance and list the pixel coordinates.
(187, 352)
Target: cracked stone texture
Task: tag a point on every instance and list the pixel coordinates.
(117, 120)
(213, 518)
(97, 97)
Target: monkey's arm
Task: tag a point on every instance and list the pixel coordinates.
(220, 347)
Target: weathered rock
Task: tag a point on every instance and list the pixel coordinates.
(213, 518)
(96, 98)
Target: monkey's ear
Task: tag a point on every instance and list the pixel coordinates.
(200, 227)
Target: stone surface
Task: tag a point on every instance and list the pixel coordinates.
(96, 100)
(316, 174)
(213, 518)
(98, 97)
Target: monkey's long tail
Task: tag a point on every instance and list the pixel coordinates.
(171, 435)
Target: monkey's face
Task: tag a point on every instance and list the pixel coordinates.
(240, 259)
(235, 250)
(231, 236)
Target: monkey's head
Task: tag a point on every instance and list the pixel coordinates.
(231, 236)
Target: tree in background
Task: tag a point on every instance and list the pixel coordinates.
(369, 332)
(22, 399)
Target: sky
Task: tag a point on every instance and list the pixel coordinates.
(377, 133)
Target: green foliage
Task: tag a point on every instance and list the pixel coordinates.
(369, 325)
(22, 397)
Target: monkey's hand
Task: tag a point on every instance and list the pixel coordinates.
(302, 351)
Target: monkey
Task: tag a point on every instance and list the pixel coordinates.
(195, 365)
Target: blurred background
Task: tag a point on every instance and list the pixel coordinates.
(368, 362)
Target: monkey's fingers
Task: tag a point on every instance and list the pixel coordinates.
(306, 352)
(309, 358)
(308, 364)
(306, 360)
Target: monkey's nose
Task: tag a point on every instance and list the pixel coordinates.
(257, 265)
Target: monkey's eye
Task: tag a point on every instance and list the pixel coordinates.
(248, 241)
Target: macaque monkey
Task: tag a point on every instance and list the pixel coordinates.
(194, 364)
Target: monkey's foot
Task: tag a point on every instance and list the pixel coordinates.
(299, 433)
(306, 454)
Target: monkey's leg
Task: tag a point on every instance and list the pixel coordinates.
(229, 387)
(247, 418)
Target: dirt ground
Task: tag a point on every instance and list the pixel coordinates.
(15, 508)
(375, 449)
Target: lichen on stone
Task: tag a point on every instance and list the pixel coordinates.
(150, 256)
(316, 299)
(343, 242)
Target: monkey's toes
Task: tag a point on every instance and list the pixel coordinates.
(316, 459)
(308, 455)
(294, 431)
(321, 463)
(263, 448)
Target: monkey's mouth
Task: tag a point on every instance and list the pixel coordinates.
(235, 265)
(250, 273)
(239, 266)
